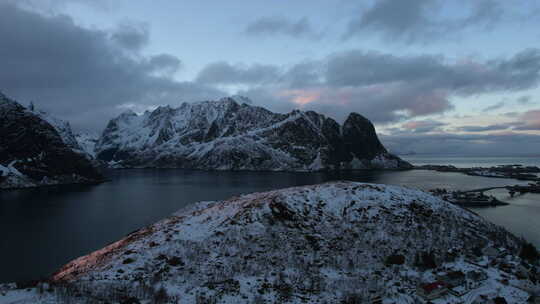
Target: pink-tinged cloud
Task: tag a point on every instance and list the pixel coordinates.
(301, 97)
(532, 116)
(530, 120)
(412, 124)
(503, 133)
(423, 126)
(379, 102)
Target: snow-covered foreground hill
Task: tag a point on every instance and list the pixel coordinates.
(232, 134)
(339, 242)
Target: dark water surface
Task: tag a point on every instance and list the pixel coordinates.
(42, 229)
(468, 162)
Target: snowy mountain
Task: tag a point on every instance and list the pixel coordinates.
(82, 142)
(339, 242)
(38, 150)
(232, 134)
(87, 142)
(62, 127)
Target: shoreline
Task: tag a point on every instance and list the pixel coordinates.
(519, 172)
(89, 183)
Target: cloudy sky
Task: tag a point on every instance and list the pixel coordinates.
(445, 77)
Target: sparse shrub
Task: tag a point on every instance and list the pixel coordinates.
(258, 299)
(128, 261)
(175, 261)
(351, 298)
(131, 300)
(202, 299)
(529, 252)
(161, 296)
(477, 251)
(428, 260)
(395, 259)
(284, 289)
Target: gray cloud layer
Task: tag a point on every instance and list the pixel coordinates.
(225, 73)
(423, 126)
(524, 100)
(384, 87)
(494, 144)
(491, 140)
(360, 68)
(497, 127)
(494, 107)
(88, 75)
(274, 26)
(423, 20)
(84, 75)
(131, 36)
(527, 121)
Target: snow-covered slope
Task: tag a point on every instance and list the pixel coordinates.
(82, 142)
(330, 243)
(34, 152)
(87, 142)
(62, 127)
(231, 134)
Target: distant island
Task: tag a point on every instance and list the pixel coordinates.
(517, 171)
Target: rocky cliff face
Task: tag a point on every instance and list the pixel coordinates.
(63, 128)
(230, 134)
(33, 153)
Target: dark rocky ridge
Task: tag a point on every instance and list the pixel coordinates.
(227, 135)
(34, 148)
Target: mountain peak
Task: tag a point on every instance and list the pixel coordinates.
(242, 99)
(128, 112)
(226, 136)
(355, 117)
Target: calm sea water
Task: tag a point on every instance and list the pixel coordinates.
(42, 229)
(467, 162)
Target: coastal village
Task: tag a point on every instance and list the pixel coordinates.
(477, 197)
(467, 281)
(490, 276)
